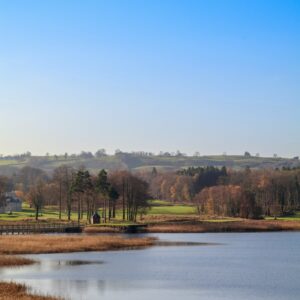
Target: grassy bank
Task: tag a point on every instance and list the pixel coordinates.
(27, 214)
(168, 224)
(14, 261)
(164, 216)
(13, 291)
(35, 244)
(225, 226)
(51, 213)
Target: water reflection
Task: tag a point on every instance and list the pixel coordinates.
(241, 266)
(78, 262)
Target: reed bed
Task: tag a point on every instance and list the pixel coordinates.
(35, 244)
(13, 291)
(14, 261)
(235, 226)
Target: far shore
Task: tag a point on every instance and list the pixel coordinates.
(196, 226)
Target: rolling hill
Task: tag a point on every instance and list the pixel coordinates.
(134, 162)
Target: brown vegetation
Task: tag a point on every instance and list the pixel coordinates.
(12, 291)
(34, 244)
(229, 226)
(101, 229)
(14, 261)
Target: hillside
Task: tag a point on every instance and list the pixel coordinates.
(134, 162)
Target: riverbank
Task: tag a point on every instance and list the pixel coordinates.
(187, 225)
(37, 244)
(14, 261)
(13, 291)
(230, 226)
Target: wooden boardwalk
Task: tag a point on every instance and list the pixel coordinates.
(40, 228)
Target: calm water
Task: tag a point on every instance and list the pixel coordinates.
(244, 266)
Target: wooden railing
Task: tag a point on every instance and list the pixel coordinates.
(40, 228)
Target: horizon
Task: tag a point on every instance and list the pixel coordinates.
(149, 149)
(148, 153)
(207, 76)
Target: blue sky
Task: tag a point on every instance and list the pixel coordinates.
(209, 76)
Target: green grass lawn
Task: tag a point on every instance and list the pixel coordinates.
(160, 203)
(172, 210)
(8, 162)
(51, 213)
(295, 217)
(223, 219)
(29, 213)
(158, 207)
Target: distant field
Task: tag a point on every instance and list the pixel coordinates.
(29, 213)
(295, 217)
(144, 163)
(160, 203)
(9, 162)
(159, 209)
(51, 213)
(173, 210)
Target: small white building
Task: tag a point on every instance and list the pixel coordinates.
(11, 203)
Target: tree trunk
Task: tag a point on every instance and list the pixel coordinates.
(37, 213)
(109, 210)
(123, 198)
(78, 208)
(114, 210)
(60, 201)
(104, 210)
(69, 208)
(81, 208)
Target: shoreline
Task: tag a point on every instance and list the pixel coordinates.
(44, 244)
(13, 246)
(206, 227)
(12, 291)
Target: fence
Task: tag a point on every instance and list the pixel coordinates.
(40, 228)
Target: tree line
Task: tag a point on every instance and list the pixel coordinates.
(222, 192)
(80, 193)
(213, 191)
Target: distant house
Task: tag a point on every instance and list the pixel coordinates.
(11, 203)
(95, 218)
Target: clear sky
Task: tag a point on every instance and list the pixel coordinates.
(208, 76)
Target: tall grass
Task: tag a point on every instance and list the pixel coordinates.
(13, 291)
(229, 226)
(14, 261)
(34, 244)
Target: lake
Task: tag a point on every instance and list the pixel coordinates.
(240, 266)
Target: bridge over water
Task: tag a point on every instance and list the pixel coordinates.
(40, 228)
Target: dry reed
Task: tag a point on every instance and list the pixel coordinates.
(34, 244)
(14, 261)
(235, 226)
(13, 291)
